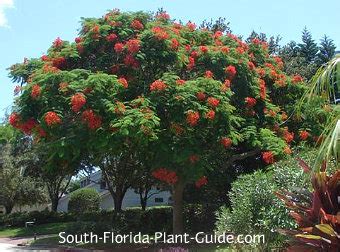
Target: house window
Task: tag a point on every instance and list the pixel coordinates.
(158, 200)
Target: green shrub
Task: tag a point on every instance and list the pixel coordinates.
(84, 200)
(254, 207)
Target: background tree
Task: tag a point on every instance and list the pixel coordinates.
(16, 189)
(326, 50)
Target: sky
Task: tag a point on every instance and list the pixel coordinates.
(28, 27)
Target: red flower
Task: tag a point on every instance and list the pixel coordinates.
(119, 47)
(133, 46)
(225, 49)
(111, 37)
(192, 118)
(200, 96)
(63, 86)
(240, 50)
(14, 119)
(165, 175)
(262, 89)
(209, 74)
(163, 15)
(36, 91)
(45, 58)
(191, 63)
(58, 62)
(194, 159)
(160, 33)
(213, 102)
(226, 142)
(158, 85)
(251, 65)
(304, 135)
(129, 60)
(226, 85)
(180, 82)
(210, 115)
(78, 40)
(204, 49)
(57, 43)
(51, 118)
(256, 41)
(80, 48)
(124, 82)
(250, 102)
(137, 25)
(191, 26)
(174, 44)
(297, 79)
(201, 182)
(28, 126)
(261, 72)
(268, 157)
(288, 136)
(120, 108)
(218, 34)
(231, 72)
(78, 101)
(287, 150)
(92, 120)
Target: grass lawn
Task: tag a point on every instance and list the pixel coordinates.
(51, 228)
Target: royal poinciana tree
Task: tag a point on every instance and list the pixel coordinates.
(133, 81)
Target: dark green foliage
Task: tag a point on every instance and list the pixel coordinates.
(308, 47)
(84, 200)
(326, 50)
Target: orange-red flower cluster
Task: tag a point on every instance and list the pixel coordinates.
(231, 72)
(209, 74)
(35, 92)
(52, 118)
(226, 142)
(193, 118)
(210, 115)
(194, 159)
(262, 84)
(133, 46)
(174, 44)
(137, 25)
(78, 101)
(57, 43)
(288, 136)
(268, 157)
(250, 102)
(111, 37)
(160, 33)
(92, 120)
(297, 79)
(304, 135)
(201, 182)
(165, 175)
(124, 82)
(213, 102)
(158, 85)
(119, 47)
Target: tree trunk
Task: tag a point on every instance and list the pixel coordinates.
(177, 212)
(118, 201)
(55, 202)
(143, 199)
(8, 208)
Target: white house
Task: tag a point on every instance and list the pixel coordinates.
(131, 198)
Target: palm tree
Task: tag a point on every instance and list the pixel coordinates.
(326, 82)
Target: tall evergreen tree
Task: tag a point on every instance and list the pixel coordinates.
(308, 47)
(326, 50)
